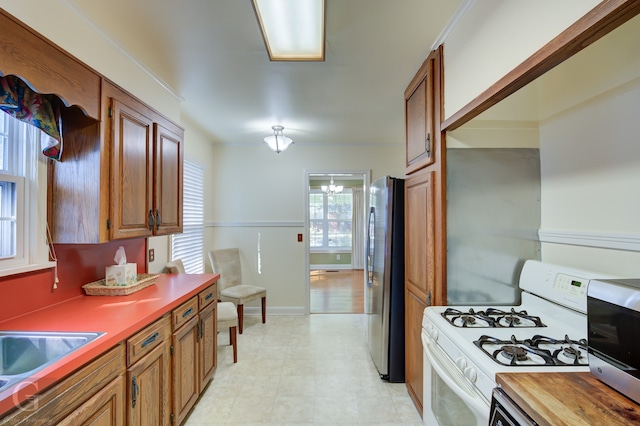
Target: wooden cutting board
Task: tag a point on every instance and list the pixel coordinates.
(570, 399)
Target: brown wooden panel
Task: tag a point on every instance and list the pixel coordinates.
(146, 340)
(46, 67)
(184, 313)
(106, 408)
(168, 178)
(131, 173)
(564, 399)
(207, 296)
(419, 234)
(414, 308)
(151, 391)
(208, 344)
(185, 382)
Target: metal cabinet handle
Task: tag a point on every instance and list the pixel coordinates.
(135, 390)
(208, 296)
(150, 220)
(187, 312)
(150, 339)
(157, 218)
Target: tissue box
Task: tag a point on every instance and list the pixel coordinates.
(119, 275)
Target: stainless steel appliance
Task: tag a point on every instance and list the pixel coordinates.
(613, 312)
(466, 346)
(384, 287)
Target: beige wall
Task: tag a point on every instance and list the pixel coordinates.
(494, 36)
(260, 207)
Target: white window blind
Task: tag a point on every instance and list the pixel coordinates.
(189, 246)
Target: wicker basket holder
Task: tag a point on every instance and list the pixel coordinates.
(98, 288)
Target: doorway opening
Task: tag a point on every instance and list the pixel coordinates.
(336, 202)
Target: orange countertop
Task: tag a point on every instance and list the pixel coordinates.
(118, 317)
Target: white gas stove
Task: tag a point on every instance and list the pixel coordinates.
(466, 346)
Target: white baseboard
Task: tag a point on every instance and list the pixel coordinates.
(331, 267)
(275, 310)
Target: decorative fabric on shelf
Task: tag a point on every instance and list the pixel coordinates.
(21, 102)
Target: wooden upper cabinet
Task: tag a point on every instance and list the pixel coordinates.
(421, 115)
(131, 174)
(168, 178)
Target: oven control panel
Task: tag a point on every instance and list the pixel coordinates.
(567, 284)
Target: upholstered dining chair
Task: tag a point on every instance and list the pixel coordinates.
(226, 262)
(226, 314)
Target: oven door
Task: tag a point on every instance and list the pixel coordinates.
(449, 398)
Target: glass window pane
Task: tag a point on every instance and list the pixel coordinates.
(7, 219)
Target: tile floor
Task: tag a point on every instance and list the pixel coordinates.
(307, 370)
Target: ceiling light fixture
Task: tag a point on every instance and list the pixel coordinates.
(293, 30)
(332, 188)
(278, 142)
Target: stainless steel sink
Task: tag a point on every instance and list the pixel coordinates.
(22, 354)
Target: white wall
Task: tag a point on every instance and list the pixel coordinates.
(494, 36)
(259, 206)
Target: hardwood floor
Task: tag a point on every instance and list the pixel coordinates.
(337, 292)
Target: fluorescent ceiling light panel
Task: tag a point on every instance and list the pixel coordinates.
(293, 30)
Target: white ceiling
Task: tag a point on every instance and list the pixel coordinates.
(210, 53)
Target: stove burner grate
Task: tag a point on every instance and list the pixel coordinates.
(539, 350)
(491, 318)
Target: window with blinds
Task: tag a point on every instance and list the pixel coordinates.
(189, 246)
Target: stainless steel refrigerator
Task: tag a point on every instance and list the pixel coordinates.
(384, 287)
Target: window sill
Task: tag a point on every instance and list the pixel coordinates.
(26, 268)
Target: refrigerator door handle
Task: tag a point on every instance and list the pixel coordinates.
(370, 246)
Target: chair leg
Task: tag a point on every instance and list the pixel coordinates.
(240, 317)
(264, 309)
(234, 343)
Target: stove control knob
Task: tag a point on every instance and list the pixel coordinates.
(471, 374)
(429, 328)
(434, 335)
(461, 363)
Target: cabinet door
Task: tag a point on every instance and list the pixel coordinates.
(147, 389)
(419, 115)
(208, 344)
(420, 235)
(131, 173)
(106, 408)
(414, 308)
(185, 368)
(169, 149)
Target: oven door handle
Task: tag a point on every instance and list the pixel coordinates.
(453, 378)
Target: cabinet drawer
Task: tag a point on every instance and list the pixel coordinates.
(185, 312)
(207, 296)
(146, 340)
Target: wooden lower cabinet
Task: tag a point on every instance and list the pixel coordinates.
(420, 271)
(185, 368)
(194, 350)
(106, 408)
(148, 369)
(414, 307)
(92, 395)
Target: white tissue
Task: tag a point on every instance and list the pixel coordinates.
(121, 256)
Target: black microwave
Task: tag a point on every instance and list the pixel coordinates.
(613, 314)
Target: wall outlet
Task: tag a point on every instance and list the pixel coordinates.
(152, 255)
(337, 257)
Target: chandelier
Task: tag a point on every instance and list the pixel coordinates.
(332, 188)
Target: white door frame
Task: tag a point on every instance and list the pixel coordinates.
(366, 178)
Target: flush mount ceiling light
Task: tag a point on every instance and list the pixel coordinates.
(278, 142)
(293, 30)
